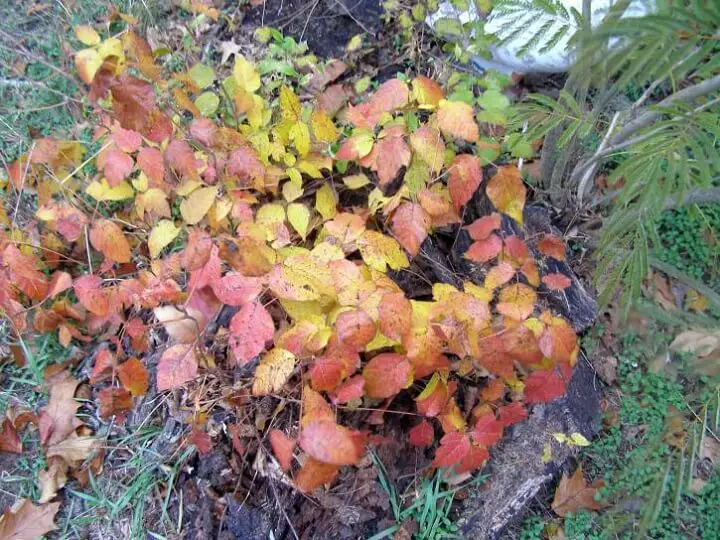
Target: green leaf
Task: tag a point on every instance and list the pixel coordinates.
(493, 100)
(202, 75)
(208, 103)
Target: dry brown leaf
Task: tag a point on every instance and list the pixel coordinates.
(25, 521)
(573, 494)
(57, 418)
(52, 479)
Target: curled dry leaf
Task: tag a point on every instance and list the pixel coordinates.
(573, 494)
(25, 521)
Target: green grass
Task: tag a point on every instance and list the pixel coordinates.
(647, 481)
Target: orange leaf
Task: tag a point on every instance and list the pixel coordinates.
(127, 140)
(326, 373)
(314, 408)
(494, 390)
(465, 176)
(392, 154)
(395, 315)
(109, 240)
(410, 225)
(456, 119)
(559, 343)
(454, 447)
(482, 251)
(556, 282)
(517, 301)
(177, 366)
(355, 329)
(498, 276)
(421, 435)
(329, 442)
(59, 282)
(426, 92)
(552, 246)
(24, 273)
(200, 440)
(180, 158)
(134, 377)
(250, 329)
(283, 447)
(386, 374)
(104, 361)
(112, 401)
(91, 296)
(516, 251)
(434, 398)
(573, 494)
(314, 474)
(507, 192)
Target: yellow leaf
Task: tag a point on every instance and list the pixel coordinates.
(111, 47)
(300, 136)
(560, 437)
(270, 213)
(161, 236)
(87, 34)
(323, 127)
(141, 183)
(578, 439)
(356, 181)
(326, 202)
(294, 176)
(87, 61)
(480, 293)
(194, 208)
(245, 75)
(289, 104)
(101, 191)
(547, 454)
(273, 372)
(380, 251)
(299, 217)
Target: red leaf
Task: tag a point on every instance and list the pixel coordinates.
(104, 361)
(499, 275)
(9, 439)
(516, 251)
(245, 164)
(180, 158)
(481, 228)
(329, 442)
(454, 447)
(326, 373)
(133, 101)
(283, 447)
(134, 377)
(552, 246)
(150, 161)
(485, 250)
(350, 390)
(410, 225)
(386, 374)
(24, 273)
(177, 366)
(395, 315)
(422, 435)
(512, 414)
(487, 431)
(203, 130)
(235, 289)
(474, 459)
(556, 282)
(434, 398)
(544, 386)
(201, 440)
(59, 282)
(127, 140)
(355, 329)
(465, 176)
(250, 329)
(117, 166)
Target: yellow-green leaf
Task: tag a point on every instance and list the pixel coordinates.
(202, 75)
(194, 208)
(207, 103)
(161, 236)
(326, 202)
(299, 217)
(291, 191)
(356, 181)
